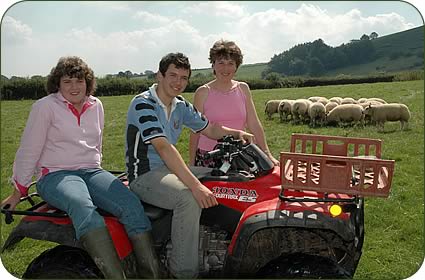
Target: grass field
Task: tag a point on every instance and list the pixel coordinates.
(394, 241)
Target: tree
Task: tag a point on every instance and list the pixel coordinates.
(364, 37)
(373, 35)
(316, 67)
(128, 74)
(297, 67)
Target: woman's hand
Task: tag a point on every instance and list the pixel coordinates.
(11, 201)
(246, 137)
(275, 161)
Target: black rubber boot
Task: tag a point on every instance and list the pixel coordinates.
(100, 247)
(146, 257)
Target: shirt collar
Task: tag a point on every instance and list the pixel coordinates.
(90, 100)
(152, 89)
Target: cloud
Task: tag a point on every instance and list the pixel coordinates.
(260, 35)
(151, 18)
(263, 34)
(136, 51)
(14, 31)
(217, 8)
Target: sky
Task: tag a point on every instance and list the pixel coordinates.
(119, 36)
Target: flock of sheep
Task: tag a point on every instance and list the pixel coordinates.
(321, 111)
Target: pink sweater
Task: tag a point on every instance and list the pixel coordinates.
(224, 108)
(57, 137)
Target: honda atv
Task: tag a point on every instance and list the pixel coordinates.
(302, 219)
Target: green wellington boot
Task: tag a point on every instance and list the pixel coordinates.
(100, 247)
(146, 257)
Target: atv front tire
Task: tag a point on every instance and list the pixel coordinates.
(299, 265)
(62, 262)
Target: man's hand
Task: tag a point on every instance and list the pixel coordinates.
(204, 197)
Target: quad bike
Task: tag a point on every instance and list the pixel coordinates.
(304, 219)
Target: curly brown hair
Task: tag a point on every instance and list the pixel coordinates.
(226, 49)
(74, 67)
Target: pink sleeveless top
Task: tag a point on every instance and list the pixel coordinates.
(225, 108)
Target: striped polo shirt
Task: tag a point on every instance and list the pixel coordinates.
(147, 119)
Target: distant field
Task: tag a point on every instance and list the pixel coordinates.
(245, 71)
(394, 241)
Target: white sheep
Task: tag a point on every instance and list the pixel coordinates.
(389, 112)
(300, 110)
(348, 100)
(377, 99)
(271, 108)
(370, 102)
(367, 118)
(285, 109)
(361, 100)
(330, 106)
(317, 113)
(346, 113)
(336, 99)
(320, 99)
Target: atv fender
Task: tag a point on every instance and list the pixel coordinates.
(276, 222)
(42, 230)
(63, 233)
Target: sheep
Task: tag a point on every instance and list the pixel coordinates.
(361, 100)
(389, 112)
(348, 100)
(346, 113)
(377, 99)
(372, 102)
(317, 113)
(285, 109)
(300, 110)
(330, 106)
(367, 118)
(271, 108)
(320, 99)
(336, 99)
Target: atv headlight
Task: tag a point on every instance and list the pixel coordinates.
(335, 210)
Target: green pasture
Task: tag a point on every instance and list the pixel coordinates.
(394, 241)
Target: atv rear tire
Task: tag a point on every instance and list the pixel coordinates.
(62, 262)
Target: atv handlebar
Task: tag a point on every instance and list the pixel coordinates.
(233, 154)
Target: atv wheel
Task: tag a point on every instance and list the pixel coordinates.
(300, 265)
(62, 262)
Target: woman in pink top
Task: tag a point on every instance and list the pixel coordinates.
(62, 147)
(226, 102)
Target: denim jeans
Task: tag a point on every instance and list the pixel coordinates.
(80, 192)
(160, 187)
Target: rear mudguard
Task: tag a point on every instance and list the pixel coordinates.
(42, 228)
(273, 228)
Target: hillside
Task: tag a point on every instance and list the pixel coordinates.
(402, 51)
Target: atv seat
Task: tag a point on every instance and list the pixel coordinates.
(154, 212)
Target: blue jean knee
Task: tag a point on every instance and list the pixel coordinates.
(81, 192)
(67, 191)
(110, 194)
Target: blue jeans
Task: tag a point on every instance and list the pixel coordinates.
(80, 192)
